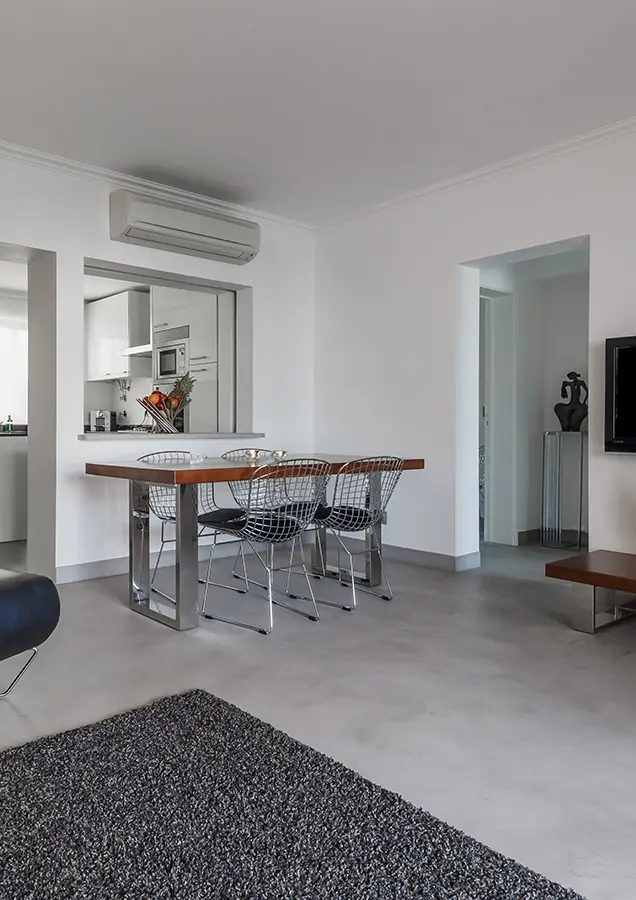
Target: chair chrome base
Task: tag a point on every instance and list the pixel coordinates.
(8, 690)
(375, 569)
(271, 569)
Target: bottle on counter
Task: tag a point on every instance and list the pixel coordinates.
(8, 425)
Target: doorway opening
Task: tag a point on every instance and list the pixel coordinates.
(14, 407)
(533, 370)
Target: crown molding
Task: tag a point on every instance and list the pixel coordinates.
(626, 128)
(153, 189)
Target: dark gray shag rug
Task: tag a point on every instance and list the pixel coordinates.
(192, 798)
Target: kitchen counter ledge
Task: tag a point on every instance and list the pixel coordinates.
(145, 436)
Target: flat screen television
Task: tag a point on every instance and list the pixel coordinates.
(620, 395)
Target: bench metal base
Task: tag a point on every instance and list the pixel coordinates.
(606, 607)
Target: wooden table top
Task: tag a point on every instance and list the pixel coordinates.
(210, 471)
(603, 568)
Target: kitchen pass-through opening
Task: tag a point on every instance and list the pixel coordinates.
(165, 353)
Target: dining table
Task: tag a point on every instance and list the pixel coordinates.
(183, 611)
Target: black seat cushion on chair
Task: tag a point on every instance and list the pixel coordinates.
(29, 611)
(223, 517)
(302, 510)
(270, 527)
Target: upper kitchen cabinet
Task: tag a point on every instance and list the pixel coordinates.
(169, 309)
(112, 327)
(175, 308)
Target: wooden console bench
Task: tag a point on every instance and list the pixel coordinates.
(607, 573)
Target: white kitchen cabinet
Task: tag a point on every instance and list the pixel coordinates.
(203, 410)
(111, 327)
(170, 309)
(203, 328)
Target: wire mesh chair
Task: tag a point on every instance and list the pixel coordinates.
(361, 492)
(281, 502)
(215, 514)
(240, 492)
(163, 503)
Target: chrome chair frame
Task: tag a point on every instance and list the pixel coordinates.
(239, 491)
(163, 504)
(361, 492)
(7, 691)
(281, 500)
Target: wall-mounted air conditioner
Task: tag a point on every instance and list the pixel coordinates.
(135, 219)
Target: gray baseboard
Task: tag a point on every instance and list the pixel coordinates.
(569, 537)
(104, 568)
(428, 560)
(532, 536)
(422, 558)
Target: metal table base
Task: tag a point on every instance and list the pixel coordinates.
(605, 608)
(185, 613)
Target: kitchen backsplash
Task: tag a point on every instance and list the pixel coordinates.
(106, 395)
(139, 387)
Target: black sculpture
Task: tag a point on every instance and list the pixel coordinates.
(572, 414)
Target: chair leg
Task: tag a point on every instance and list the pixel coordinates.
(342, 546)
(244, 577)
(302, 566)
(306, 574)
(8, 690)
(226, 587)
(322, 561)
(207, 577)
(154, 571)
(270, 585)
(268, 565)
(291, 564)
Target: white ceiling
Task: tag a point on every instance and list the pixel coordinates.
(13, 279)
(311, 110)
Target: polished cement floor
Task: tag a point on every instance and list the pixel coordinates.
(469, 695)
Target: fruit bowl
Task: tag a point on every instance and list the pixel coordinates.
(164, 408)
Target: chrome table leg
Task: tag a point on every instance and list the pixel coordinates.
(187, 560)
(605, 607)
(319, 551)
(139, 547)
(184, 615)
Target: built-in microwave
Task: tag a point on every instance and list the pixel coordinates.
(171, 358)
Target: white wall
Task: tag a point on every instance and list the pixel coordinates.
(68, 214)
(388, 323)
(564, 337)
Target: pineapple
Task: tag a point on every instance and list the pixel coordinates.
(182, 387)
